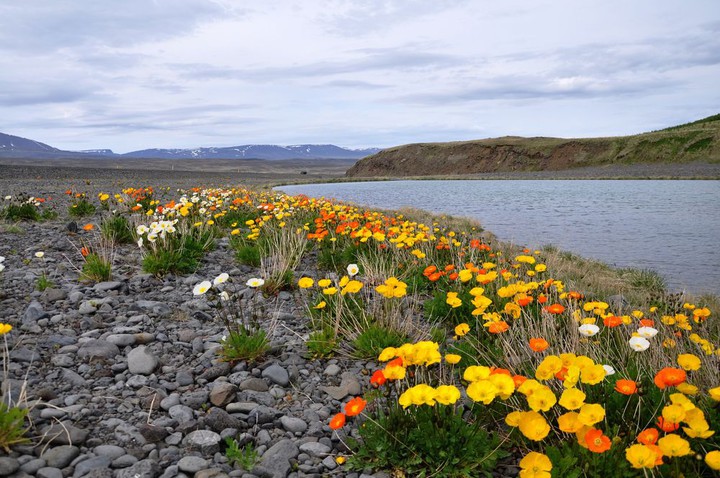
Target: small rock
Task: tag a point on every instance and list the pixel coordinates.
(98, 348)
(48, 472)
(217, 370)
(110, 451)
(141, 361)
(152, 433)
(106, 286)
(218, 420)
(64, 433)
(192, 464)
(277, 374)
(52, 295)
(94, 463)
(316, 449)
(121, 340)
(332, 370)
(60, 456)
(349, 385)
(144, 468)
(276, 459)
(206, 441)
(255, 384)
(222, 393)
(293, 425)
(87, 307)
(8, 465)
(34, 312)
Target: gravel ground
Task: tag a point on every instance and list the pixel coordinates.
(125, 374)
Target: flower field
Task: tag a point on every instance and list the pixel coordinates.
(481, 355)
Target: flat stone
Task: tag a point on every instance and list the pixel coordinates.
(293, 425)
(60, 456)
(276, 374)
(216, 370)
(192, 464)
(206, 441)
(8, 465)
(181, 413)
(196, 399)
(121, 340)
(110, 451)
(94, 463)
(34, 312)
(107, 285)
(141, 361)
(218, 420)
(152, 433)
(87, 307)
(212, 473)
(349, 385)
(48, 472)
(143, 468)
(31, 467)
(329, 463)
(222, 393)
(275, 461)
(315, 448)
(332, 370)
(65, 434)
(255, 384)
(52, 295)
(97, 348)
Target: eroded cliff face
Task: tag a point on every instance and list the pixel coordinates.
(472, 157)
(699, 141)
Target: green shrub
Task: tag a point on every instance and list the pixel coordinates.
(321, 343)
(96, 268)
(12, 426)
(428, 441)
(374, 339)
(81, 207)
(21, 212)
(244, 343)
(117, 229)
(43, 282)
(245, 457)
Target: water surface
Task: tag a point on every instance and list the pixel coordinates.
(672, 227)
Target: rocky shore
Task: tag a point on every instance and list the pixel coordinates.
(123, 378)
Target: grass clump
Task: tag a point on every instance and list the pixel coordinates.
(245, 457)
(374, 339)
(117, 228)
(96, 268)
(81, 206)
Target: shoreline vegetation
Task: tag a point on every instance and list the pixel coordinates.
(460, 355)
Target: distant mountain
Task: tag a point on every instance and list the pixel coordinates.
(15, 146)
(258, 151)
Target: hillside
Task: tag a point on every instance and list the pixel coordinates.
(696, 141)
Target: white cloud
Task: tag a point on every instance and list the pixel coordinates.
(171, 73)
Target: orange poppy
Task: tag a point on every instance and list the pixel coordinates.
(85, 251)
(435, 276)
(597, 442)
(519, 380)
(669, 377)
(338, 421)
(453, 276)
(542, 299)
(429, 270)
(555, 308)
(396, 362)
(500, 371)
(562, 374)
(626, 387)
(498, 327)
(667, 426)
(575, 295)
(378, 379)
(449, 267)
(649, 436)
(523, 301)
(355, 406)
(538, 344)
(647, 323)
(612, 321)
(89, 227)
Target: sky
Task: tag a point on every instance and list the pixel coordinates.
(136, 74)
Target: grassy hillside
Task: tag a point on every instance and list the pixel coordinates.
(696, 141)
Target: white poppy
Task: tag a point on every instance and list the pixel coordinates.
(255, 282)
(222, 278)
(352, 269)
(588, 330)
(647, 332)
(639, 344)
(202, 287)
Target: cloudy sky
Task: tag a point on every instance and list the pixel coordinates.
(81, 74)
